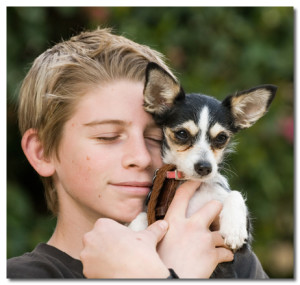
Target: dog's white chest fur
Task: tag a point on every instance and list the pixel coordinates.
(233, 217)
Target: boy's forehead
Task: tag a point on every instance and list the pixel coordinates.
(112, 97)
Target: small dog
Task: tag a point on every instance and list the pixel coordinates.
(196, 133)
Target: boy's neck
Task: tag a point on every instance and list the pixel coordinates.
(70, 229)
(67, 237)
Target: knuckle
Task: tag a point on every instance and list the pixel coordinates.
(85, 271)
(104, 225)
(148, 234)
(207, 238)
(86, 238)
(82, 255)
(216, 203)
(101, 222)
(230, 255)
(192, 226)
(225, 255)
(175, 221)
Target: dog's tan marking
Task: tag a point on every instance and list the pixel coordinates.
(173, 142)
(185, 149)
(190, 126)
(218, 154)
(216, 129)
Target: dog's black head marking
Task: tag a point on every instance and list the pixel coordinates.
(197, 128)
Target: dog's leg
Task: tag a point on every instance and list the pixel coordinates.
(139, 223)
(233, 220)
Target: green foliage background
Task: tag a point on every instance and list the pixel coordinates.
(214, 51)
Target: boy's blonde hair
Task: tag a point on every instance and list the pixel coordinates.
(61, 75)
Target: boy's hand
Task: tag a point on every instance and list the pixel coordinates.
(189, 247)
(112, 250)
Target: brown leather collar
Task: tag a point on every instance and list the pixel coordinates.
(163, 191)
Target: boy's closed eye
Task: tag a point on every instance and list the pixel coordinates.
(156, 140)
(154, 136)
(108, 137)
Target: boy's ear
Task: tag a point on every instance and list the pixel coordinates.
(248, 106)
(161, 90)
(33, 149)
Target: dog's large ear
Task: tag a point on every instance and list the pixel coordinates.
(250, 105)
(161, 90)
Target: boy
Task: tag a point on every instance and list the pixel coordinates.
(85, 132)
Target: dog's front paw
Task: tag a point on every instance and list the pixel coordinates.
(139, 223)
(233, 221)
(234, 237)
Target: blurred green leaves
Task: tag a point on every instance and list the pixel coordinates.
(25, 229)
(213, 50)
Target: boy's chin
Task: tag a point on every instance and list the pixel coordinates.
(128, 217)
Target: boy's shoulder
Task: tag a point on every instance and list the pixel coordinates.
(44, 261)
(247, 265)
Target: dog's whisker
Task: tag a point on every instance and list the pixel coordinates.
(228, 170)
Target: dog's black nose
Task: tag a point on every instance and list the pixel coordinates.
(203, 168)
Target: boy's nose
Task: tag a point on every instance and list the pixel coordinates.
(137, 154)
(203, 168)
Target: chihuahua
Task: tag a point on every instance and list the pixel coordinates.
(197, 130)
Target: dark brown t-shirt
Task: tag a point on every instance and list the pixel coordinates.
(46, 261)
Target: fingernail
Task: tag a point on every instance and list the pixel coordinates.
(163, 224)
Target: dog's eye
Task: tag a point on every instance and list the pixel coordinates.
(220, 139)
(182, 135)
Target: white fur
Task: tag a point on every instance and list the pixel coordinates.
(233, 220)
(201, 150)
(139, 223)
(233, 217)
(203, 122)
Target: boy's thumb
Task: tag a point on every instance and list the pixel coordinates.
(158, 229)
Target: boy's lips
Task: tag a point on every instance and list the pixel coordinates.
(134, 187)
(134, 184)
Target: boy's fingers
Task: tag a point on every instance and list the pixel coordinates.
(224, 255)
(157, 230)
(208, 212)
(182, 197)
(218, 240)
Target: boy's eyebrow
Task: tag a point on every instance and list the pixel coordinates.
(121, 123)
(106, 122)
